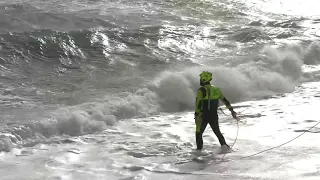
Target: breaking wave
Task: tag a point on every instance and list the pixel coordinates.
(90, 73)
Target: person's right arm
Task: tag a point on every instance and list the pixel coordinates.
(227, 104)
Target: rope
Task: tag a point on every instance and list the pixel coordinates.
(268, 148)
(235, 140)
(282, 143)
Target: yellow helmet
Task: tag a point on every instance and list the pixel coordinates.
(205, 76)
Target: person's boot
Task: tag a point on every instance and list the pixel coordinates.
(225, 147)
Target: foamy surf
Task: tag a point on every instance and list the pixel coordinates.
(163, 147)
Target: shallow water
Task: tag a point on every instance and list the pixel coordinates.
(163, 146)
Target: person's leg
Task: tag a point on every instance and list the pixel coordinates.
(214, 123)
(200, 127)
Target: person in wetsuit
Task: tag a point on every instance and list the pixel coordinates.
(206, 111)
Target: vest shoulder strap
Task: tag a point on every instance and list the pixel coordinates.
(203, 89)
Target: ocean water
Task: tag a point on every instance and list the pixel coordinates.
(97, 89)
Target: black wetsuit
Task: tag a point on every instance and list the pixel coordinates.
(206, 108)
